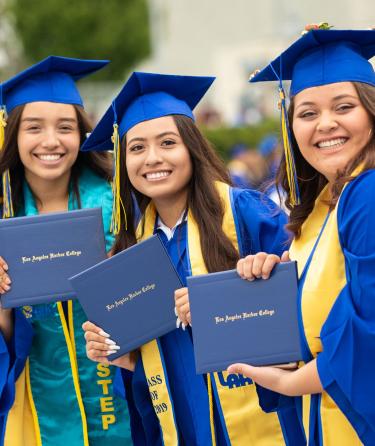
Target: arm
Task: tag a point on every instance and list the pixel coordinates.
(291, 383)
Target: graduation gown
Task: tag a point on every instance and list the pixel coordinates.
(172, 405)
(51, 394)
(336, 262)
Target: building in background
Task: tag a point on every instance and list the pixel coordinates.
(230, 39)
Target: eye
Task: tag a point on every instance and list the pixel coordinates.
(66, 128)
(307, 114)
(33, 128)
(344, 107)
(136, 148)
(168, 142)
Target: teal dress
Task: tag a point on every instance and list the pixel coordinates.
(72, 396)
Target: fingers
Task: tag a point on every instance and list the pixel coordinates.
(4, 277)
(182, 308)
(90, 327)
(257, 266)
(242, 369)
(98, 343)
(285, 257)
(268, 265)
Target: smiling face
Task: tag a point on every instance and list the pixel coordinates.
(157, 161)
(48, 140)
(331, 126)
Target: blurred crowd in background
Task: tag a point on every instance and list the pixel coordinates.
(198, 37)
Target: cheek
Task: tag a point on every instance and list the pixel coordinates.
(131, 168)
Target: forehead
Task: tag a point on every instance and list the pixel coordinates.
(152, 128)
(325, 93)
(45, 110)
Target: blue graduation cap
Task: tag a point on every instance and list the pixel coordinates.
(147, 96)
(144, 96)
(51, 80)
(320, 57)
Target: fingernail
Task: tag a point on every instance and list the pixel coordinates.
(115, 347)
(6, 287)
(5, 266)
(110, 352)
(104, 334)
(7, 281)
(175, 312)
(178, 322)
(183, 326)
(259, 277)
(250, 279)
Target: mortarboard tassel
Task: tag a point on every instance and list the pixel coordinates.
(288, 151)
(118, 206)
(7, 190)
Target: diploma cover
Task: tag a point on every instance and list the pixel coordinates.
(131, 295)
(235, 320)
(43, 251)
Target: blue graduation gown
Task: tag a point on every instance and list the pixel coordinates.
(260, 226)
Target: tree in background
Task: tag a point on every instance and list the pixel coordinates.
(90, 29)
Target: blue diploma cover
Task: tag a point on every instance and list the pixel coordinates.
(43, 251)
(234, 320)
(131, 295)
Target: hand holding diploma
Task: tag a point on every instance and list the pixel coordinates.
(4, 277)
(181, 298)
(287, 382)
(6, 320)
(99, 346)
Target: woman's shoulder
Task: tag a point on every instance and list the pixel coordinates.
(94, 189)
(254, 201)
(359, 191)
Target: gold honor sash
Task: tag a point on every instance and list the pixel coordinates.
(325, 278)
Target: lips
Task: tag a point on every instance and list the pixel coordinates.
(331, 143)
(49, 157)
(159, 175)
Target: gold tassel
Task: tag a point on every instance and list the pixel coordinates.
(118, 206)
(7, 190)
(288, 151)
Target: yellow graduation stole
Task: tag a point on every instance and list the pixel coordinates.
(324, 280)
(245, 422)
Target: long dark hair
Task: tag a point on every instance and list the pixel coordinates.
(310, 181)
(99, 162)
(203, 199)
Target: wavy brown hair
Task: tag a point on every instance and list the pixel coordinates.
(99, 162)
(310, 181)
(203, 199)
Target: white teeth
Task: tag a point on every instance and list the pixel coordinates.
(49, 157)
(157, 175)
(332, 142)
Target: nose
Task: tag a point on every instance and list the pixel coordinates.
(326, 123)
(153, 156)
(50, 139)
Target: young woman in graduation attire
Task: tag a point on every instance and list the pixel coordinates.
(50, 394)
(182, 193)
(332, 119)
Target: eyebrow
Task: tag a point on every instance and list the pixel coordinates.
(31, 118)
(336, 98)
(161, 135)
